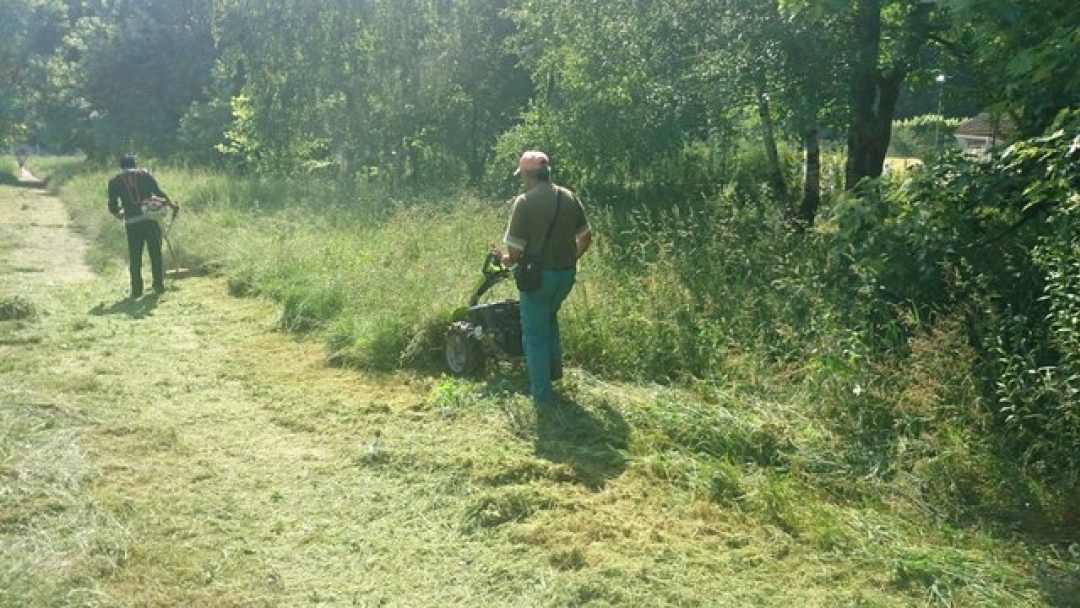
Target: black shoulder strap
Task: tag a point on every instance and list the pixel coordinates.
(131, 181)
(558, 203)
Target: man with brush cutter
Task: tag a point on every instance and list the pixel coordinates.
(136, 198)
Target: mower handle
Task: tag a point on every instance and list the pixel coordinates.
(494, 272)
(493, 265)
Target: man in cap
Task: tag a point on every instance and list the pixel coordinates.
(547, 221)
(128, 189)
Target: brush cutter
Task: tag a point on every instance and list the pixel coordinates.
(176, 271)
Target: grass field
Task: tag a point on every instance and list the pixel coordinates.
(185, 451)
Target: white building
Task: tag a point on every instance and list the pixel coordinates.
(978, 136)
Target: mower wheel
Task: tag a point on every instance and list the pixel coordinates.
(464, 356)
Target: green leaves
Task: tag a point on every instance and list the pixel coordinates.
(1024, 56)
(409, 91)
(997, 243)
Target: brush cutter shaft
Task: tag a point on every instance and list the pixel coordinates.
(165, 236)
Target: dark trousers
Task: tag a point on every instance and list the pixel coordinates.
(146, 233)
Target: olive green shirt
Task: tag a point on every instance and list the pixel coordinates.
(531, 217)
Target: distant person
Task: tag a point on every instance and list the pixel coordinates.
(20, 155)
(550, 222)
(127, 190)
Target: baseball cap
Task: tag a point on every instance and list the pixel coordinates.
(531, 161)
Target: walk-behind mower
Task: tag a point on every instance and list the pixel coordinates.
(485, 331)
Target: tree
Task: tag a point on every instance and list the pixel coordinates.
(1021, 58)
(885, 52)
(30, 31)
(405, 90)
(115, 82)
(789, 60)
(12, 63)
(488, 89)
(754, 51)
(295, 74)
(616, 94)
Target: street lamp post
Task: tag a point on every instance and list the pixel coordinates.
(940, 80)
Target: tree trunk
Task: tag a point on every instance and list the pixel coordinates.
(473, 149)
(777, 184)
(871, 127)
(811, 197)
(874, 94)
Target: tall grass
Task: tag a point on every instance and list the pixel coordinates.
(664, 294)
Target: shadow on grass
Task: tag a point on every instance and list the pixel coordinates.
(136, 308)
(589, 439)
(11, 179)
(590, 442)
(1060, 587)
(1058, 571)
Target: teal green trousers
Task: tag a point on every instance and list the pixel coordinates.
(540, 332)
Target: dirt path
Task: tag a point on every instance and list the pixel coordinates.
(38, 237)
(181, 451)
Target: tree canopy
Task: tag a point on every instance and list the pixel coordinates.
(627, 95)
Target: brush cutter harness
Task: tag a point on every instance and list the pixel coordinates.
(154, 208)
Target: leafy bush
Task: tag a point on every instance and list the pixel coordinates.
(1036, 356)
(997, 243)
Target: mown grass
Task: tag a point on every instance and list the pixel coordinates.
(760, 465)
